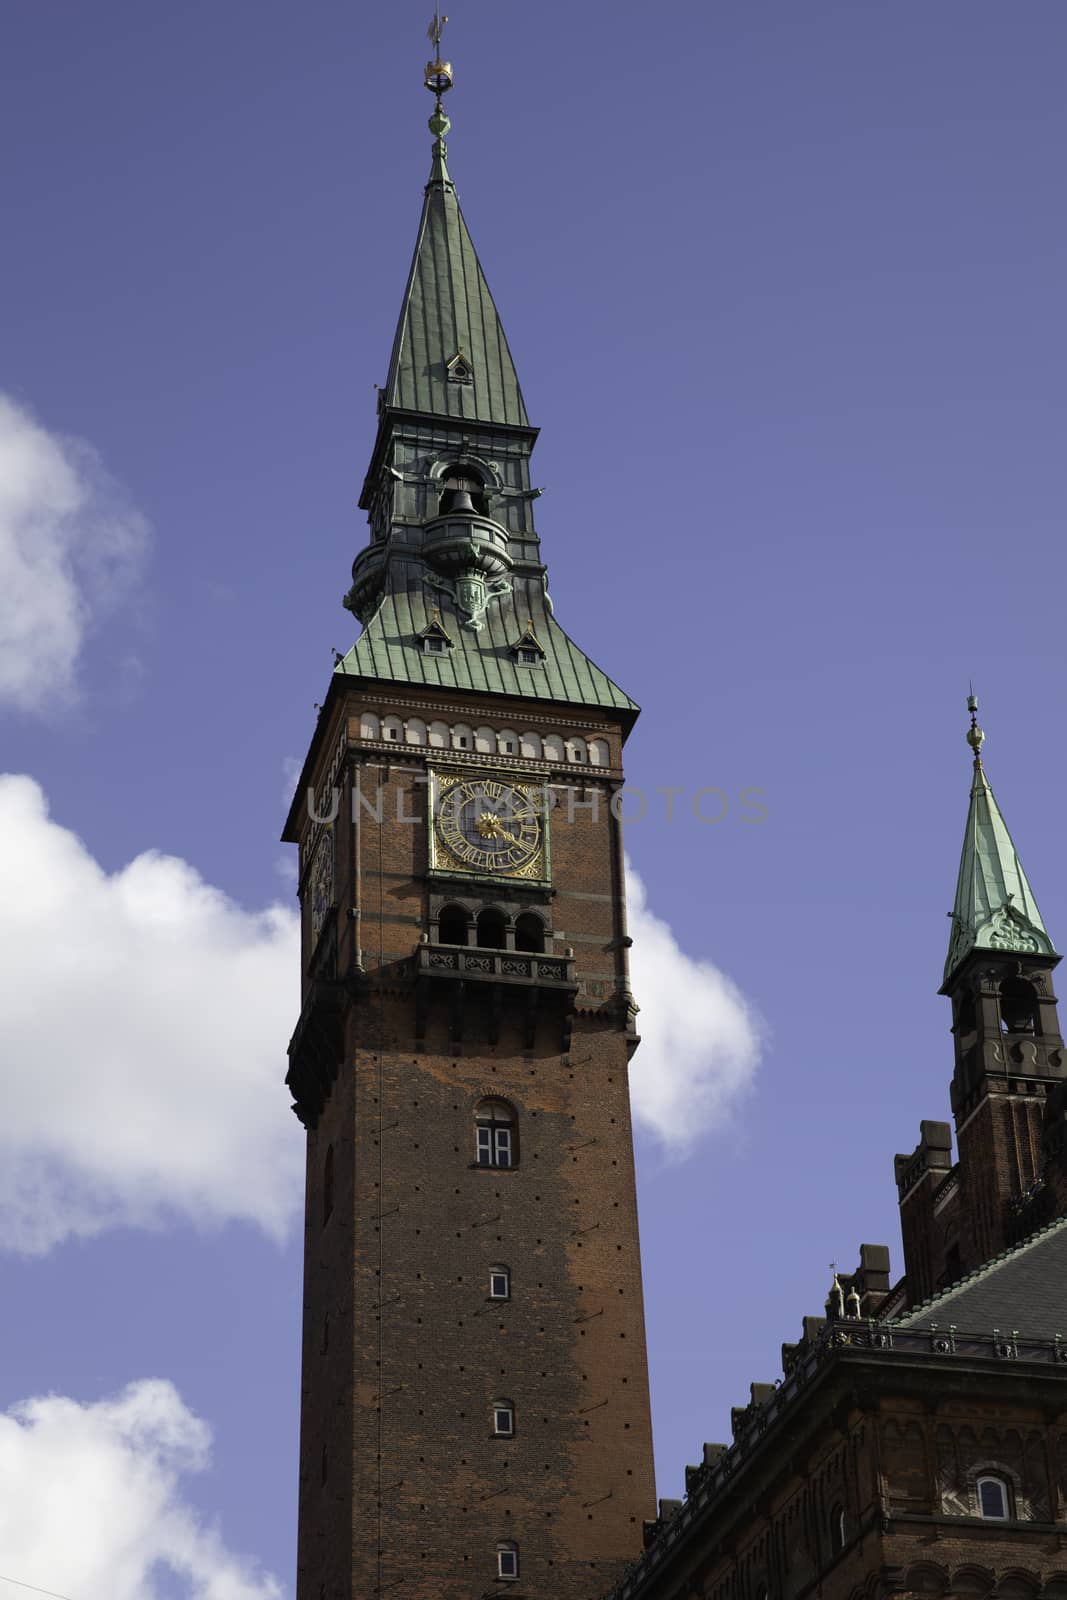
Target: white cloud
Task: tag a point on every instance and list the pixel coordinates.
(142, 1036)
(71, 547)
(700, 1038)
(91, 1501)
(292, 767)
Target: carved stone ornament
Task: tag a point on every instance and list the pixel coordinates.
(1009, 930)
(471, 594)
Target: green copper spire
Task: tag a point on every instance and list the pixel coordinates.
(995, 907)
(450, 356)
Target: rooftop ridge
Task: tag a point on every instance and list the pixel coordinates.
(977, 1273)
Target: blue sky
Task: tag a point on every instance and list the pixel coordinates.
(784, 288)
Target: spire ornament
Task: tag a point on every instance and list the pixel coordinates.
(438, 78)
(975, 735)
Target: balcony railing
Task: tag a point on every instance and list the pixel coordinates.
(495, 966)
(492, 984)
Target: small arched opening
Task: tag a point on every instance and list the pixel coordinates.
(462, 489)
(453, 926)
(1018, 1006)
(492, 929)
(530, 933)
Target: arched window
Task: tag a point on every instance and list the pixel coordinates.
(327, 1186)
(552, 745)
(529, 933)
(496, 1134)
(491, 929)
(1018, 1006)
(507, 1559)
(393, 730)
(503, 1419)
(576, 750)
(500, 1283)
(415, 730)
(530, 745)
(994, 1500)
(837, 1530)
(462, 737)
(457, 483)
(598, 752)
(370, 726)
(453, 925)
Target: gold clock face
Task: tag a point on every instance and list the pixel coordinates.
(489, 825)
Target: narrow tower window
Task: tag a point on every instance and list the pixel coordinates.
(1018, 1006)
(497, 1145)
(503, 1419)
(993, 1499)
(507, 1559)
(500, 1283)
(837, 1530)
(327, 1186)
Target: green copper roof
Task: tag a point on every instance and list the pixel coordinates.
(390, 649)
(447, 313)
(995, 907)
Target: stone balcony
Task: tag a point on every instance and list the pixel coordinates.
(463, 976)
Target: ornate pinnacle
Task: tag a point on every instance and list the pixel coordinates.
(975, 735)
(438, 79)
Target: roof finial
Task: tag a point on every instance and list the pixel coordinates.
(438, 79)
(975, 736)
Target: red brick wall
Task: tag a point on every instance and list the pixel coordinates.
(417, 1350)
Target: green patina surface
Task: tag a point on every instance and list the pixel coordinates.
(449, 311)
(390, 649)
(995, 908)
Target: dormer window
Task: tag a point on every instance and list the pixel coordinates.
(459, 369)
(434, 640)
(528, 651)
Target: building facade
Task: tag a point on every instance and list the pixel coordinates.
(475, 1410)
(916, 1442)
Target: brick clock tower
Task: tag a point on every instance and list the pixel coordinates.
(475, 1411)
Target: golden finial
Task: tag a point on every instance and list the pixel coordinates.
(975, 736)
(438, 77)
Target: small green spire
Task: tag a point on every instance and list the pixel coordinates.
(995, 907)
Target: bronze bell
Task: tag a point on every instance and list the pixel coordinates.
(463, 504)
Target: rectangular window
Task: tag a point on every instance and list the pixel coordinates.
(507, 1563)
(503, 1422)
(529, 658)
(499, 1286)
(434, 647)
(485, 1146)
(502, 1146)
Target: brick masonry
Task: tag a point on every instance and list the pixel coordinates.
(404, 1489)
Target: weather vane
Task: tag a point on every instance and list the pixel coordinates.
(438, 73)
(436, 29)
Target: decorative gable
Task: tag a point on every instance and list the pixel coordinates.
(459, 369)
(433, 639)
(528, 650)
